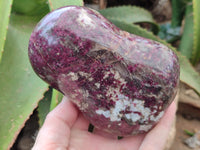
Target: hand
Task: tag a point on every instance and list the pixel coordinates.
(66, 129)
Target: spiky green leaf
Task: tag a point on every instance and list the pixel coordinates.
(186, 44)
(178, 9)
(20, 88)
(54, 4)
(5, 9)
(196, 47)
(44, 106)
(56, 99)
(130, 14)
(31, 7)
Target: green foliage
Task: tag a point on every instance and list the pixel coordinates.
(189, 45)
(43, 106)
(54, 4)
(30, 7)
(178, 9)
(196, 48)
(56, 99)
(5, 8)
(130, 14)
(186, 44)
(189, 133)
(169, 33)
(20, 88)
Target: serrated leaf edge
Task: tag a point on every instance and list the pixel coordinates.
(4, 37)
(196, 37)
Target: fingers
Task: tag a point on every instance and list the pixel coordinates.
(55, 132)
(156, 138)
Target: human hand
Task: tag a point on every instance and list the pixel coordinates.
(65, 128)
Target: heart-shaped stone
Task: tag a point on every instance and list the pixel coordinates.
(122, 83)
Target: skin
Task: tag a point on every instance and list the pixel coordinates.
(66, 129)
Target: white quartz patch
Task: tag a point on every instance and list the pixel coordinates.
(84, 74)
(152, 118)
(145, 127)
(132, 116)
(102, 112)
(121, 105)
(73, 76)
(97, 85)
(85, 20)
(114, 113)
(136, 106)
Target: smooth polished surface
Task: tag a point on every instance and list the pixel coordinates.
(121, 82)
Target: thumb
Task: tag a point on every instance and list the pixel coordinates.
(55, 131)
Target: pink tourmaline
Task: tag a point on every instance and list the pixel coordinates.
(121, 82)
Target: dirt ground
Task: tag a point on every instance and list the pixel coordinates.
(188, 118)
(185, 121)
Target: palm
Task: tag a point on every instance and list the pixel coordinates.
(65, 128)
(81, 139)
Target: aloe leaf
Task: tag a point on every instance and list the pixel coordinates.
(51, 99)
(56, 99)
(178, 9)
(20, 88)
(5, 9)
(44, 106)
(196, 47)
(188, 74)
(186, 44)
(130, 14)
(54, 4)
(30, 7)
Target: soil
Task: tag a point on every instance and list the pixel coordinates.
(26, 138)
(188, 118)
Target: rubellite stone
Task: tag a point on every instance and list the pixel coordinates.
(122, 83)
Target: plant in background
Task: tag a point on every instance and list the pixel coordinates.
(185, 14)
(21, 91)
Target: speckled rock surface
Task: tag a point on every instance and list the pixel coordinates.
(121, 82)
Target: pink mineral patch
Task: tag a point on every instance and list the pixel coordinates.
(122, 83)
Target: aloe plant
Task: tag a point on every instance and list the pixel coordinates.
(196, 49)
(189, 45)
(31, 7)
(186, 43)
(5, 8)
(178, 9)
(130, 14)
(21, 91)
(54, 4)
